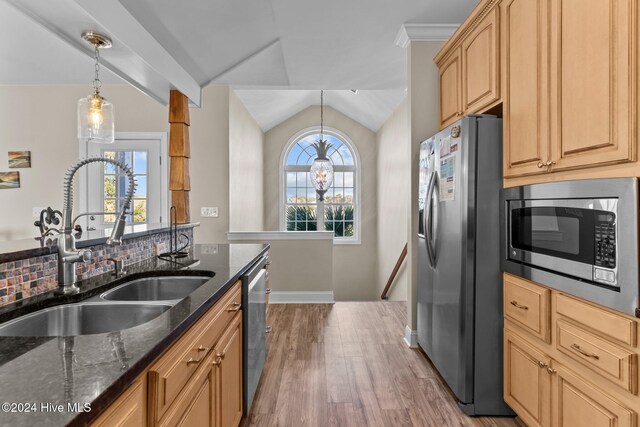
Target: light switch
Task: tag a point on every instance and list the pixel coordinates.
(209, 212)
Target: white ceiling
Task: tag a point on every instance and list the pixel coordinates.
(275, 53)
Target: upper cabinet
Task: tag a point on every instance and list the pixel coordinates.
(566, 74)
(469, 66)
(593, 82)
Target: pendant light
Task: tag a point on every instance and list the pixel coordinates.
(95, 114)
(321, 169)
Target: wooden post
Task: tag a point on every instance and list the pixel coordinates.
(179, 154)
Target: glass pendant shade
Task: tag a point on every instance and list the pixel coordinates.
(95, 119)
(321, 174)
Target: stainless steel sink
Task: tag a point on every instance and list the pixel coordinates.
(82, 319)
(163, 288)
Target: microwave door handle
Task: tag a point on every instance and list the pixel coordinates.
(428, 219)
(435, 197)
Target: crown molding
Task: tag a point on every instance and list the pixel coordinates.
(424, 32)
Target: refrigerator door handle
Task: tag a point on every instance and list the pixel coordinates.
(427, 217)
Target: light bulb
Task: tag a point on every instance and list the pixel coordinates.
(95, 119)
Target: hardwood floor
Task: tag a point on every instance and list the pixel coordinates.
(347, 364)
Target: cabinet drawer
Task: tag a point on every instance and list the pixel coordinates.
(527, 305)
(610, 361)
(168, 376)
(614, 326)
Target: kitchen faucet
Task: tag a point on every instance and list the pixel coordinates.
(68, 255)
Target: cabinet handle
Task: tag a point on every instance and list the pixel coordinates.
(541, 165)
(542, 364)
(551, 370)
(202, 348)
(221, 355)
(459, 113)
(516, 305)
(268, 330)
(267, 291)
(549, 163)
(577, 348)
(236, 307)
(217, 362)
(192, 360)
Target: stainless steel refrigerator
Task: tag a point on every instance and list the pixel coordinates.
(459, 281)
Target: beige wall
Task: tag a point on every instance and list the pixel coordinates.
(394, 175)
(354, 266)
(246, 140)
(423, 122)
(42, 119)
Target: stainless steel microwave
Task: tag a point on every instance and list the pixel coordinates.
(576, 236)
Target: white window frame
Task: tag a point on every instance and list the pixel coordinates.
(164, 172)
(356, 239)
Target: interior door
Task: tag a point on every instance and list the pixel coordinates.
(107, 185)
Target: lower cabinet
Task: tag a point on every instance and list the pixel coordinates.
(196, 382)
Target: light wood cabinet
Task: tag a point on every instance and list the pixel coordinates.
(527, 387)
(229, 374)
(451, 89)
(469, 65)
(481, 64)
(525, 71)
(527, 305)
(570, 84)
(593, 82)
(577, 403)
(197, 381)
(585, 375)
(129, 410)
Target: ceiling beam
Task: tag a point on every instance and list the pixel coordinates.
(136, 56)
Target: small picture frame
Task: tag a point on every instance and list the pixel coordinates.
(9, 180)
(19, 159)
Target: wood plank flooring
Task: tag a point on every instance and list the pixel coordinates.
(346, 364)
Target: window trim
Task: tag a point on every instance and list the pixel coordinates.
(282, 190)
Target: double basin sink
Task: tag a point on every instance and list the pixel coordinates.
(125, 306)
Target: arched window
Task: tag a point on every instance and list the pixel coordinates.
(299, 203)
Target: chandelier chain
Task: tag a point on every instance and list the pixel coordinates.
(322, 115)
(97, 84)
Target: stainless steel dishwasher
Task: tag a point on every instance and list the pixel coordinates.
(254, 327)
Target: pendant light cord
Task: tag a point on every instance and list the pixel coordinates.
(322, 115)
(97, 84)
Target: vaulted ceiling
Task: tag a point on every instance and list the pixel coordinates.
(275, 53)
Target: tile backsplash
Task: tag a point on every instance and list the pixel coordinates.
(32, 276)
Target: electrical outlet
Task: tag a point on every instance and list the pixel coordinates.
(209, 249)
(209, 212)
(36, 212)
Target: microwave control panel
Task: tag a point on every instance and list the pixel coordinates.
(605, 241)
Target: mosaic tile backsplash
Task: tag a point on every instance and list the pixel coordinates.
(32, 276)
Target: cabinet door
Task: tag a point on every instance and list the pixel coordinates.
(527, 386)
(195, 405)
(130, 410)
(525, 75)
(577, 403)
(593, 82)
(450, 89)
(229, 374)
(480, 64)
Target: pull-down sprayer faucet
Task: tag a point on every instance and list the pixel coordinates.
(68, 255)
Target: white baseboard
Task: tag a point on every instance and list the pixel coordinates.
(411, 337)
(284, 297)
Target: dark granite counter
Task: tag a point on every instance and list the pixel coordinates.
(39, 373)
(26, 248)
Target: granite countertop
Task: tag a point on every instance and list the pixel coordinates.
(12, 250)
(95, 369)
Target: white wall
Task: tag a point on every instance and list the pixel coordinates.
(394, 176)
(42, 119)
(354, 266)
(246, 140)
(423, 116)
